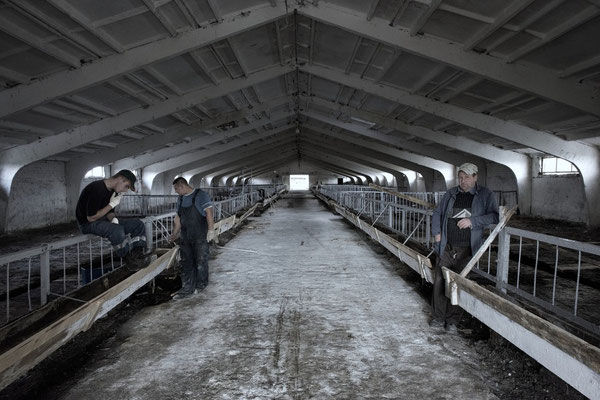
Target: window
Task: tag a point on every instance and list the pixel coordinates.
(298, 182)
(556, 166)
(96, 172)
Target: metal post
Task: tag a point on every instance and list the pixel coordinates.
(428, 230)
(148, 231)
(403, 221)
(503, 257)
(44, 274)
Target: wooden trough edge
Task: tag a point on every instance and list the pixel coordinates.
(21, 358)
(415, 260)
(572, 359)
(558, 347)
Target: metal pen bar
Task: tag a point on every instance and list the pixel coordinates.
(414, 230)
(29, 284)
(380, 214)
(64, 270)
(7, 292)
(577, 285)
(78, 268)
(101, 256)
(537, 253)
(555, 273)
(91, 270)
(519, 261)
(489, 259)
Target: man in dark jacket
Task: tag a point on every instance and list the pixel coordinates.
(457, 225)
(95, 214)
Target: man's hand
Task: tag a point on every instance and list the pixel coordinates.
(210, 235)
(173, 238)
(438, 237)
(115, 199)
(464, 223)
(114, 220)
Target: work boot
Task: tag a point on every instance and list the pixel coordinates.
(436, 323)
(136, 259)
(451, 328)
(182, 295)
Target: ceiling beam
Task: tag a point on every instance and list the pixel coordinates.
(72, 138)
(24, 97)
(48, 48)
(258, 156)
(361, 154)
(506, 14)
(361, 167)
(535, 80)
(447, 170)
(432, 151)
(574, 152)
(194, 156)
(195, 143)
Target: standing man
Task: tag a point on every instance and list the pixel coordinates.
(95, 214)
(194, 225)
(457, 226)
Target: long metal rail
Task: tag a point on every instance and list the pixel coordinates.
(34, 276)
(574, 360)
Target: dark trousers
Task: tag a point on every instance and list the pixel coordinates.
(194, 264)
(454, 259)
(124, 236)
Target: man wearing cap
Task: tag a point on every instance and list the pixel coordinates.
(457, 226)
(95, 214)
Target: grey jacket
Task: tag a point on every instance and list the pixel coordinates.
(484, 211)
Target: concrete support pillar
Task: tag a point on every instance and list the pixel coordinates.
(73, 181)
(7, 174)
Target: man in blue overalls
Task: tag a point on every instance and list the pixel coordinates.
(194, 226)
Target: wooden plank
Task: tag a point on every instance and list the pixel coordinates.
(503, 221)
(248, 213)
(224, 225)
(403, 196)
(30, 323)
(579, 349)
(24, 356)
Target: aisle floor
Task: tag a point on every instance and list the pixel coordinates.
(299, 307)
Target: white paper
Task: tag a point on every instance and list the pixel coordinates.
(463, 214)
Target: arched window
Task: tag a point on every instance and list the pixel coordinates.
(556, 166)
(96, 172)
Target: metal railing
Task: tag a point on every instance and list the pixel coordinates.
(545, 270)
(31, 277)
(145, 205)
(141, 205)
(549, 272)
(387, 210)
(53, 269)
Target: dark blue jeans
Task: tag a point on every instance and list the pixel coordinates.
(194, 264)
(123, 236)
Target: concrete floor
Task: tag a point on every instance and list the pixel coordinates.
(314, 313)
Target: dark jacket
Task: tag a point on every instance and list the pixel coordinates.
(484, 211)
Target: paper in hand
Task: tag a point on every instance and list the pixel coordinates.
(462, 214)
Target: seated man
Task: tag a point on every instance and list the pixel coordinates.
(95, 215)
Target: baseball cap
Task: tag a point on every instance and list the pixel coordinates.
(127, 174)
(468, 168)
